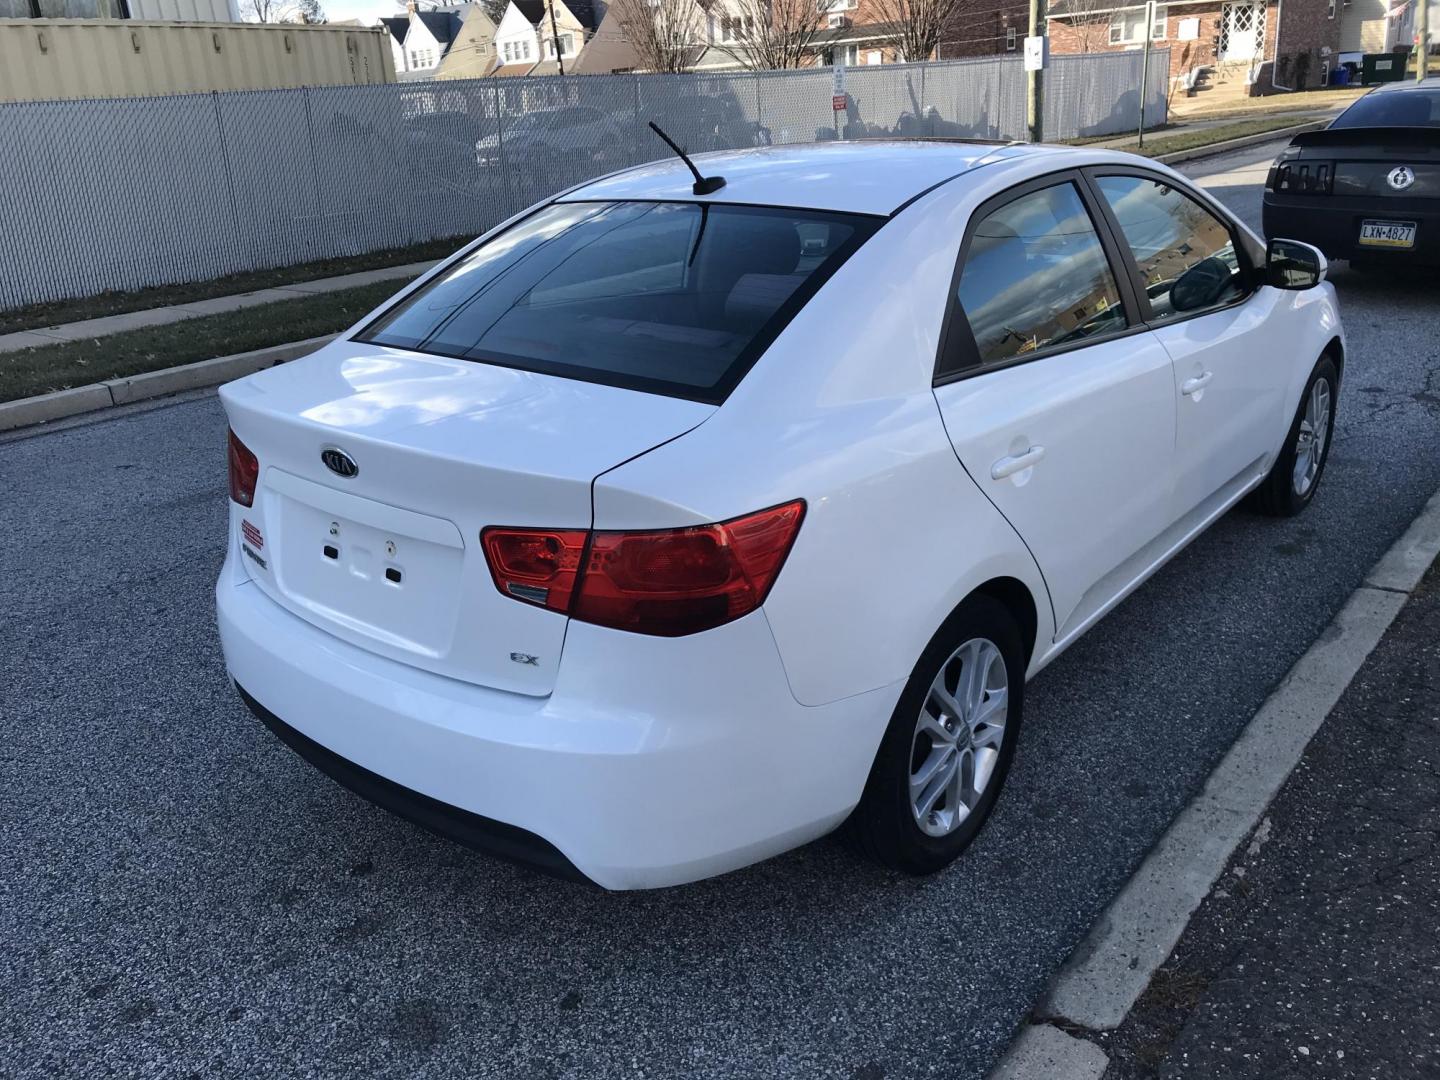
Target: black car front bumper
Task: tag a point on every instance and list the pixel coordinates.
(1333, 225)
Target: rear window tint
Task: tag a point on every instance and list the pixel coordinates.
(1393, 108)
(674, 298)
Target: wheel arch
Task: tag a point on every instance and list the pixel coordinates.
(1014, 595)
(1335, 349)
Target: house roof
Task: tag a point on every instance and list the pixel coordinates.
(858, 32)
(398, 26)
(444, 25)
(584, 12)
(533, 10)
(510, 71)
(609, 50)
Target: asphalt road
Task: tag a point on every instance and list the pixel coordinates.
(180, 894)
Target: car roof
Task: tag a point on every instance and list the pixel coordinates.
(1431, 83)
(867, 177)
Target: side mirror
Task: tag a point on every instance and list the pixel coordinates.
(1289, 264)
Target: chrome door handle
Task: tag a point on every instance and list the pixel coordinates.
(1198, 383)
(1009, 466)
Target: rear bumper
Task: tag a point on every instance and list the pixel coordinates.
(1333, 225)
(481, 833)
(656, 761)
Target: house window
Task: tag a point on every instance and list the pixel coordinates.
(1128, 27)
(849, 55)
(1330, 10)
(1010, 39)
(733, 27)
(566, 48)
(842, 5)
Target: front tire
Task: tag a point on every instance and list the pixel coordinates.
(948, 748)
(1293, 478)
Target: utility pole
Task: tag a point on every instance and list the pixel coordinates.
(1145, 69)
(1035, 75)
(555, 37)
(1422, 32)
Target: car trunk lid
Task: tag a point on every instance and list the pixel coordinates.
(389, 558)
(1360, 161)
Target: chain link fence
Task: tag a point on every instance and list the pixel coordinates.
(125, 193)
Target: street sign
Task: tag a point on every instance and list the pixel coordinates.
(838, 102)
(838, 79)
(1037, 53)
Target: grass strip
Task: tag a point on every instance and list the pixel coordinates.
(116, 303)
(1190, 140)
(40, 370)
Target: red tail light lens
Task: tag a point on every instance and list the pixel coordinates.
(535, 565)
(668, 583)
(244, 472)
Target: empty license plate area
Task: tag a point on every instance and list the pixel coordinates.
(374, 569)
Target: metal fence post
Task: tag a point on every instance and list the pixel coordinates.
(250, 261)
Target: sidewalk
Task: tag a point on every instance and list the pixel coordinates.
(161, 316)
(1318, 952)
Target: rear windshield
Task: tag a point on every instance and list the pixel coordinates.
(1393, 108)
(674, 298)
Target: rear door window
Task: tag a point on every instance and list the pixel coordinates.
(675, 298)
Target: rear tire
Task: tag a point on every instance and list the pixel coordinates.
(937, 775)
(1296, 474)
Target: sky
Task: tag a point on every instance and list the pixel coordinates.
(367, 11)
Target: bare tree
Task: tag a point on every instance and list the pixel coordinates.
(663, 33)
(283, 11)
(270, 11)
(916, 26)
(768, 35)
(1090, 21)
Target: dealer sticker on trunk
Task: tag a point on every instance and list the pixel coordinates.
(1394, 234)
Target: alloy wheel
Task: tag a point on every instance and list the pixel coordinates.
(958, 736)
(1310, 443)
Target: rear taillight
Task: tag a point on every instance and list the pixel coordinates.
(1302, 177)
(244, 472)
(538, 566)
(667, 582)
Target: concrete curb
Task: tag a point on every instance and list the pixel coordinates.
(1215, 149)
(1113, 966)
(151, 384)
(1043, 1052)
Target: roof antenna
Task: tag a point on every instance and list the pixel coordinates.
(704, 185)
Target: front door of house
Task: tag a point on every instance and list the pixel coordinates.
(1242, 29)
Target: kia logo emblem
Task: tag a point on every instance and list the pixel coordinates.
(339, 462)
(1401, 178)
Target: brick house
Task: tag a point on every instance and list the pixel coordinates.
(985, 29)
(1267, 45)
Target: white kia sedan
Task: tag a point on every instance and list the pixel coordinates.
(670, 525)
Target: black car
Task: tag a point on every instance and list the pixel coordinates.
(1366, 188)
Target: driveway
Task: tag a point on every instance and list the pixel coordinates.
(180, 894)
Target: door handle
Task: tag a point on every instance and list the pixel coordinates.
(1198, 383)
(1009, 466)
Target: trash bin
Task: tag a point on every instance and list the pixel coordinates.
(1382, 67)
(1340, 76)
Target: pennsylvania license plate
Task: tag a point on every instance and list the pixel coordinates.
(1394, 234)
